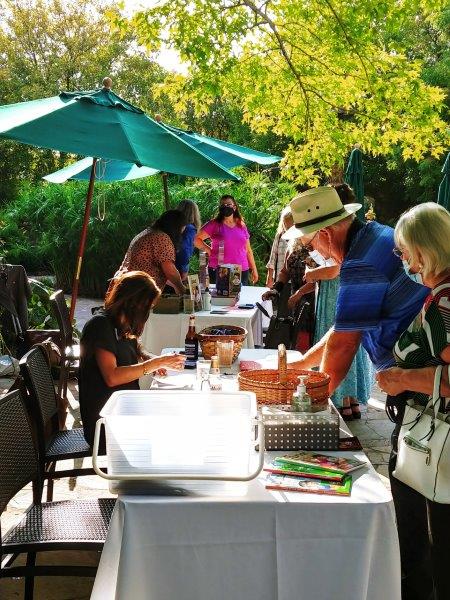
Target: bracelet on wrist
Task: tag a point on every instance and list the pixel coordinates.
(147, 370)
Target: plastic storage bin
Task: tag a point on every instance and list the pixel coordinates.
(173, 434)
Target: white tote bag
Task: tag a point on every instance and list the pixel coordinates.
(423, 460)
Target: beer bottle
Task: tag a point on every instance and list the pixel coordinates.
(191, 345)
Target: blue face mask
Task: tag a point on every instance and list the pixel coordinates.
(416, 277)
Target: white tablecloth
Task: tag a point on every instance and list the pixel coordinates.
(239, 541)
(170, 330)
(260, 545)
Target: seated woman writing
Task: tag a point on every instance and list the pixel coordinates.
(111, 358)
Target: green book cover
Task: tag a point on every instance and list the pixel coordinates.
(310, 486)
(285, 468)
(337, 464)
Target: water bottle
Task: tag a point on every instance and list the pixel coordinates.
(206, 298)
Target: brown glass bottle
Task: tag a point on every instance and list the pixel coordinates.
(191, 345)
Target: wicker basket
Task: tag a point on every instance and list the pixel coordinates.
(277, 387)
(207, 339)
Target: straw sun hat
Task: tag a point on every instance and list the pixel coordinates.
(315, 209)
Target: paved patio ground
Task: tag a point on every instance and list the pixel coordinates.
(373, 430)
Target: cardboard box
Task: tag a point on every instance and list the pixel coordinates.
(235, 280)
(194, 289)
(223, 280)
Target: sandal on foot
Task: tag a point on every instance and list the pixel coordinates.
(354, 404)
(346, 413)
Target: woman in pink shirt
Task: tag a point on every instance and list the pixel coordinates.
(230, 241)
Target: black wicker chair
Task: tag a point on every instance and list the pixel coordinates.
(62, 525)
(70, 350)
(53, 445)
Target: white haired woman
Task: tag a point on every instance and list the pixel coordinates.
(422, 237)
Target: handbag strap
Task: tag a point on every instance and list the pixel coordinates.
(262, 309)
(276, 256)
(433, 403)
(436, 398)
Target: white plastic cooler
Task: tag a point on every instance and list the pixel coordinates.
(173, 434)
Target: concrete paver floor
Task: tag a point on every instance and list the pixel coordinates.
(373, 430)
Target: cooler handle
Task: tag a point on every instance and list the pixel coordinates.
(194, 476)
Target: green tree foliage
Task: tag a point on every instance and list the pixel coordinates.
(31, 231)
(395, 183)
(47, 46)
(324, 74)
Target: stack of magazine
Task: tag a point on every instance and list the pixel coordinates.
(312, 473)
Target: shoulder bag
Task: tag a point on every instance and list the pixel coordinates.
(423, 460)
(281, 330)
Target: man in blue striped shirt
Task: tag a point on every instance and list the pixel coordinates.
(376, 299)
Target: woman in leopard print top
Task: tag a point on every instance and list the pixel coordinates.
(153, 251)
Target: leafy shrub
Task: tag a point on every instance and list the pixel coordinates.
(41, 228)
(40, 315)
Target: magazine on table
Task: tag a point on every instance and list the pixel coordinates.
(282, 468)
(338, 464)
(350, 443)
(310, 486)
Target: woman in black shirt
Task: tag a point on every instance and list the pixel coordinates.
(111, 358)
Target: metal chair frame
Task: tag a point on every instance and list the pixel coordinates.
(53, 445)
(62, 525)
(70, 350)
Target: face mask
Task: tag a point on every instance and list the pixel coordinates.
(317, 257)
(321, 260)
(226, 211)
(416, 277)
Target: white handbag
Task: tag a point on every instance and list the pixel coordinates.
(423, 460)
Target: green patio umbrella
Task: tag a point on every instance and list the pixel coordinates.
(444, 187)
(225, 153)
(106, 170)
(354, 176)
(101, 124)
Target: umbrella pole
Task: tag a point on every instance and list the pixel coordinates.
(166, 191)
(83, 236)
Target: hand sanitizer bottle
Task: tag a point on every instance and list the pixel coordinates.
(301, 401)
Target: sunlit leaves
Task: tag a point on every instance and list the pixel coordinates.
(326, 74)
